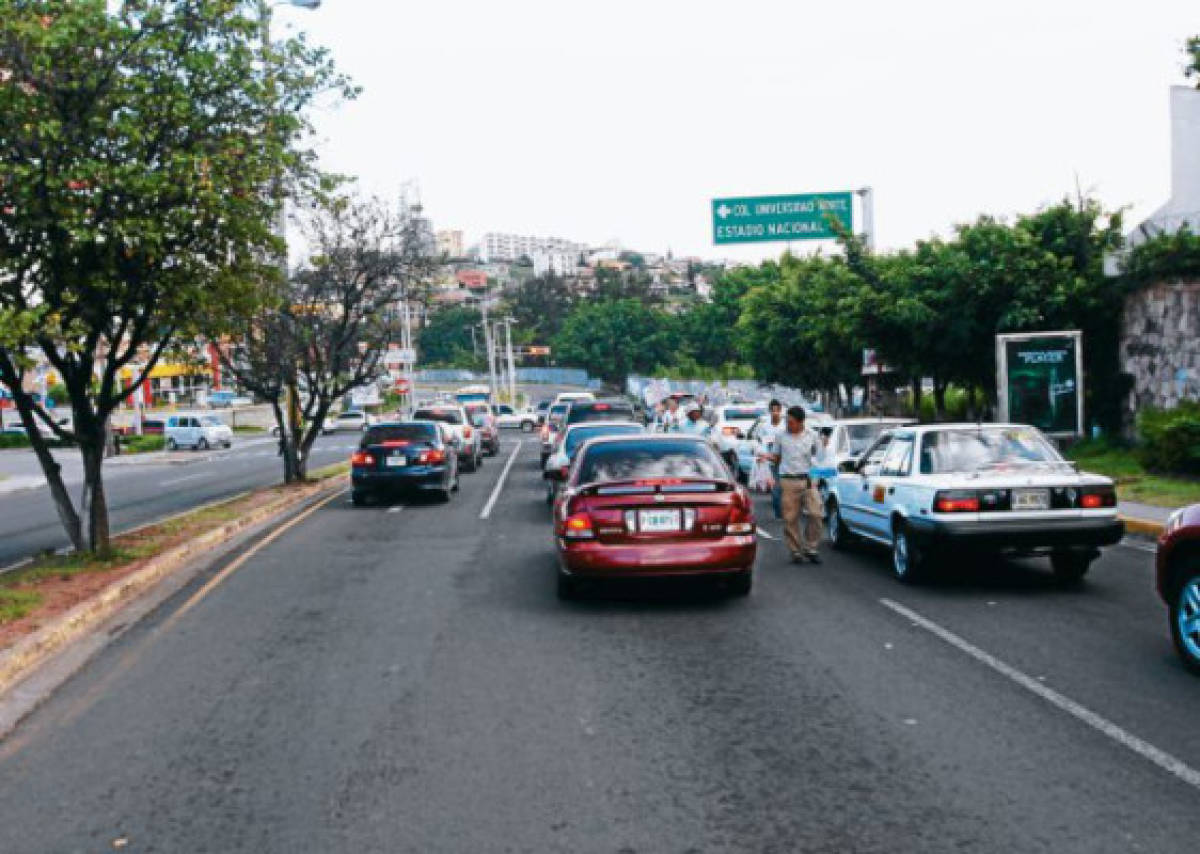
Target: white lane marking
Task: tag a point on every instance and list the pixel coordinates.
(183, 479)
(1139, 547)
(14, 566)
(765, 535)
(396, 509)
(512, 458)
(1126, 739)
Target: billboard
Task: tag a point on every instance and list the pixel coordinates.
(1039, 380)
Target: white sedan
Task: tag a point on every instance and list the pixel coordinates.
(732, 424)
(942, 490)
(507, 417)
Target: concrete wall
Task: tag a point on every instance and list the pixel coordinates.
(1160, 345)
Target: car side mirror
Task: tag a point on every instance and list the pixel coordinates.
(848, 466)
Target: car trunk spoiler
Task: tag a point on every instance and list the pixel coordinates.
(652, 486)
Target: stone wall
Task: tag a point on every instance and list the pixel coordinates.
(1160, 345)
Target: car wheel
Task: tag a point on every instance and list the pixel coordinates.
(358, 499)
(1185, 619)
(172, 445)
(741, 585)
(568, 588)
(228, 445)
(908, 563)
(202, 445)
(1070, 567)
(444, 495)
(839, 535)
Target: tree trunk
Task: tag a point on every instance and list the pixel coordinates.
(287, 444)
(917, 391)
(939, 399)
(53, 472)
(95, 503)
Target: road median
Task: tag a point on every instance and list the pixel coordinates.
(53, 600)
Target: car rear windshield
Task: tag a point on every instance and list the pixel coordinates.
(446, 416)
(743, 414)
(558, 410)
(862, 436)
(400, 433)
(638, 460)
(579, 435)
(599, 411)
(993, 448)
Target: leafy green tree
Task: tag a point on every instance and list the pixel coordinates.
(1193, 55)
(614, 338)
(137, 140)
(708, 328)
(447, 339)
(540, 306)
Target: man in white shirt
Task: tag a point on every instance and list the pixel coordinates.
(770, 426)
(692, 423)
(794, 450)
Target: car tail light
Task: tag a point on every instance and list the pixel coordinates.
(1094, 499)
(564, 471)
(466, 432)
(362, 458)
(958, 501)
(433, 457)
(729, 430)
(578, 526)
(394, 443)
(741, 515)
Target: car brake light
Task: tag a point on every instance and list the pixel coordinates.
(578, 527)
(466, 432)
(956, 502)
(1096, 500)
(362, 458)
(394, 443)
(564, 471)
(433, 457)
(729, 430)
(741, 515)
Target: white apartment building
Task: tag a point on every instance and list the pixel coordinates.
(497, 246)
(450, 243)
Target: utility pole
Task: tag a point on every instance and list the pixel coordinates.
(867, 196)
(487, 342)
(512, 370)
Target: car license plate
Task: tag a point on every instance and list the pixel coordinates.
(658, 521)
(1031, 499)
(398, 460)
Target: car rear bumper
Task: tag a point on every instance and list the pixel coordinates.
(593, 559)
(409, 477)
(1017, 536)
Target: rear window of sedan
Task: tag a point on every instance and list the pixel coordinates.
(743, 413)
(446, 416)
(579, 435)
(600, 410)
(400, 433)
(640, 460)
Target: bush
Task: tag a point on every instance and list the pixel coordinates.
(1170, 439)
(141, 444)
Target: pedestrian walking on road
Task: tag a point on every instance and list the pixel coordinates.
(670, 418)
(692, 424)
(770, 426)
(794, 451)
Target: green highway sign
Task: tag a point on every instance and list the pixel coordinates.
(757, 219)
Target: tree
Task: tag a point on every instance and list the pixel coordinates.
(137, 139)
(335, 318)
(708, 329)
(614, 338)
(447, 338)
(540, 307)
(1193, 54)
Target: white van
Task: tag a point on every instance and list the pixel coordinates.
(572, 396)
(196, 431)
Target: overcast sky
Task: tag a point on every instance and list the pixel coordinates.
(621, 119)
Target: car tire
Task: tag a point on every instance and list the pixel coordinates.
(1184, 609)
(358, 499)
(741, 585)
(172, 445)
(908, 562)
(567, 588)
(444, 495)
(839, 536)
(228, 445)
(1070, 567)
(202, 445)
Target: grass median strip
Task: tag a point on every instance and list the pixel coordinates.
(1134, 483)
(51, 584)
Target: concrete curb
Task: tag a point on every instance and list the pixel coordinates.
(1143, 527)
(21, 659)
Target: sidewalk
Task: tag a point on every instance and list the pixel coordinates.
(1144, 519)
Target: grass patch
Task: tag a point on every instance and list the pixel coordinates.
(249, 429)
(1134, 483)
(142, 444)
(329, 471)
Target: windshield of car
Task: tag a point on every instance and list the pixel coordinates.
(638, 460)
(446, 416)
(400, 433)
(579, 435)
(733, 413)
(557, 411)
(213, 420)
(351, 416)
(602, 411)
(861, 436)
(986, 448)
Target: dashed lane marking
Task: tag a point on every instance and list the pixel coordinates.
(1126, 739)
(764, 534)
(512, 458)
(185, 478)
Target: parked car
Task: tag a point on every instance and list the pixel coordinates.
(483, 419)
(550, 428)
(200, 432)
(353, 419)
(543, 406)
(328, 426)
(526, 419)
(404, 456)
(1177, 565)
(467, 439)
(557, 466)
(223, 398)
(653, 507)
(928, 491)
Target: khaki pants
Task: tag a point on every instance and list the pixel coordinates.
(800, 498)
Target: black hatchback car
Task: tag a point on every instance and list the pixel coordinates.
(404, 456)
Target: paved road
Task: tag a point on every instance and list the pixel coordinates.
(139, 492)
(404, 679)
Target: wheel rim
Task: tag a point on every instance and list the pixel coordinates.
(834, 525)
(900, 556)
(1187, 617)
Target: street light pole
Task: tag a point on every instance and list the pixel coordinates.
(867, 195)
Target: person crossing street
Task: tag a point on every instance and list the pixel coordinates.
(692, 425)
(770, 426)
(794, 450)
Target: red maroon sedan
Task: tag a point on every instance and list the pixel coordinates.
(653, 507)
(1178, 576)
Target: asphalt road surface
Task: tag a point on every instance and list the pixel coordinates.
(140, 492)
(402, 678)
